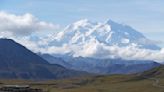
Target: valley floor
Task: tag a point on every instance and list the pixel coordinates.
(114, 83)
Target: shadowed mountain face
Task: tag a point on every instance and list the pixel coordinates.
(12, 53)
(18, 62)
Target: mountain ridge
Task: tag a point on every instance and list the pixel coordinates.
(105, 66)
(17, 62)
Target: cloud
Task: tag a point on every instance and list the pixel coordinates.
(95, 49)
(22, 25)
(98, 50)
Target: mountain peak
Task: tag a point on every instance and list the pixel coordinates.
(6, 40)
(109, 21)
(82, 21)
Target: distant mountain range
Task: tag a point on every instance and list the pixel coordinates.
(18, 62)
(103, 66)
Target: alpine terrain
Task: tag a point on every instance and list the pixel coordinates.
(94, 47)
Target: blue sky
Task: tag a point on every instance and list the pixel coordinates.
(147, 16)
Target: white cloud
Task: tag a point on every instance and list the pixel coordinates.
(95, 49)
(22, 25)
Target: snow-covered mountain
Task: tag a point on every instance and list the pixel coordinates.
(101, 40)
(106, 48)
(109, 33)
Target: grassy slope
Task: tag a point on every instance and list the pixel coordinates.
(114, 83)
